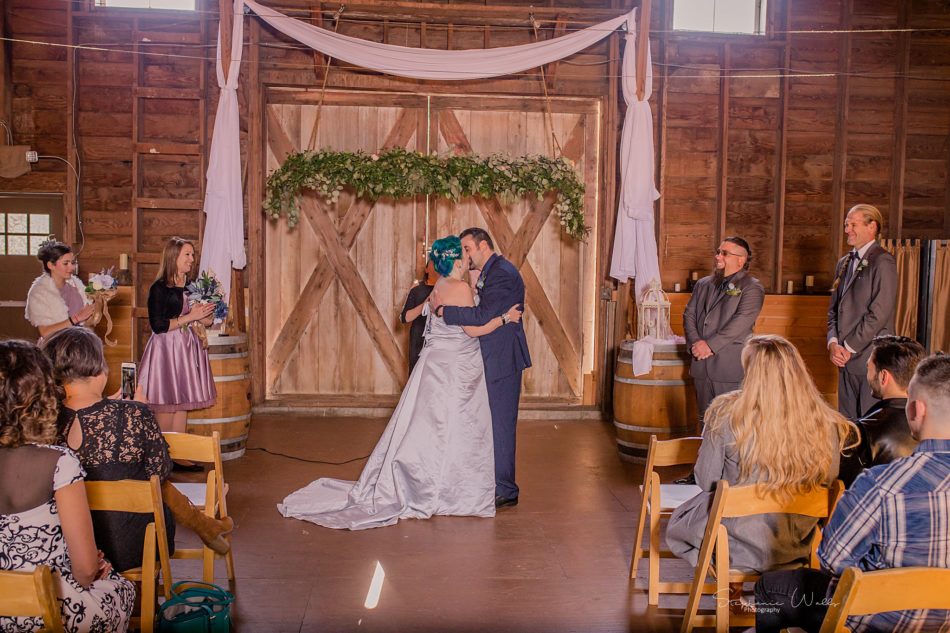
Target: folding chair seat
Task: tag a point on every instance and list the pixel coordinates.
(29, 594)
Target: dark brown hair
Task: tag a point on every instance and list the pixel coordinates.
(933, 379)
(28, 396)
(899, 355)
(50, 251)
(479, 235)
(169, 267)
(738, 241)
(75, 353)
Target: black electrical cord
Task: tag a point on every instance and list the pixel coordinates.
(304, 459)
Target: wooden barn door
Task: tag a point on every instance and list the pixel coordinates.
(336, 283)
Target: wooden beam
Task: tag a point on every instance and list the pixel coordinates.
(895, 220)
(722, 168)
(643, 46)
(781, 168)
(469, 14)
(226, 17)
(840, 161)
(255, 215)
(71, 211)
(6, 86)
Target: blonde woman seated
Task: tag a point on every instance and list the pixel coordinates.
(775, 430)
(44, 515)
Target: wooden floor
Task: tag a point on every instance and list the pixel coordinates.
(557, 562)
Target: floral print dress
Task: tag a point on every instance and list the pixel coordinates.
(35, 537)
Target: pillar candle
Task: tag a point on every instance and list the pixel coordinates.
(676, 287)
(809, 281)
(695, 276)
(791, 286)
(123, 261)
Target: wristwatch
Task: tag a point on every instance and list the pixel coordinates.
(504, 319)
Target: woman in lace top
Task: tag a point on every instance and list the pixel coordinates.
(44, 515)
(119, 439)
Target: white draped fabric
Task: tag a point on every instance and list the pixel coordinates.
(635, 253)
(635, 249)
(223, 245)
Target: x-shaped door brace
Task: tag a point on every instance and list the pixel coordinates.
(336, 261)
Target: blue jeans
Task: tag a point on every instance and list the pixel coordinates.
(791, 598)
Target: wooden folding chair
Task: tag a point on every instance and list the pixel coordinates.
(743, 501)
(899, 589)
(145, 497)
(210, 496)
(660, 500)
(31, 593)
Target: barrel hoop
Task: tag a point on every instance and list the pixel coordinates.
(652, 429)
(236, 418)
(231, 377)
(661, 363)
(225, 441)
(225, 356)
(650, 383)
(217, 339)
(632, 444)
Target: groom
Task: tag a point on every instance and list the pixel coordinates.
(504, 351)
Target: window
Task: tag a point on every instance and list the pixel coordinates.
(22, 233)
(720, 16)
(181, 5)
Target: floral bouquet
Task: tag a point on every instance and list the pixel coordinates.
(207, 289)
(101, 288)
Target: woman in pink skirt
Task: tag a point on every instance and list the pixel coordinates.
(175, 374)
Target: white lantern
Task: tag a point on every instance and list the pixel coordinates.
(653, 313)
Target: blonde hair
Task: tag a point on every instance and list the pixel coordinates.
(784, 429)
(870, 214)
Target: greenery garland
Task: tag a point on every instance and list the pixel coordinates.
(398, 173)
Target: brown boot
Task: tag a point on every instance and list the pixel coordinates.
(211, 531)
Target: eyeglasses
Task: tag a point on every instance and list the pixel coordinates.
(719, 251)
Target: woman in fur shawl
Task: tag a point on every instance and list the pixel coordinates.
(57, 298)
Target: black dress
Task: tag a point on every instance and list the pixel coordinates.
(121, 440)
(417, 295)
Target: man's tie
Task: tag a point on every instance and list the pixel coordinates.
(852, 258)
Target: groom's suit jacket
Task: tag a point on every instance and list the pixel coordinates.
(863, 305)
(724, 321)
(505, 351)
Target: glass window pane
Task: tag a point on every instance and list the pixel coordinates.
(3, 222)
(39, 223)
(693, 15)
(16, 223)
(735, 16)
(17, 244)
(3, 245)
(35, 241)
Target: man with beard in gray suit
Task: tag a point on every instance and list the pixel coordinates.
(863, 303)
(719, 318)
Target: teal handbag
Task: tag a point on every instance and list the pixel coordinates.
(196, 607)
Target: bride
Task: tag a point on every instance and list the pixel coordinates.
(435, 456)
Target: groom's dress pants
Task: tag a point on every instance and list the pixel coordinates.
(503, 396)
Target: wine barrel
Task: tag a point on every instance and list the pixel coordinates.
(661, 403)
(230, 415)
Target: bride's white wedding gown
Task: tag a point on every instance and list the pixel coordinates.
(435, 456)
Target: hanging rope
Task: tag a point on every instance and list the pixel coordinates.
(323, 90)
(548, 115)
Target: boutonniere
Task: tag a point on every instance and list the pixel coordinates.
(480, 283)
(861, 266)
(732, 290)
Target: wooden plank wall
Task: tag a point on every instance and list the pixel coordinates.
(747, 149)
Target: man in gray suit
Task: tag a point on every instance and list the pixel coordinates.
(719, 318)
(863, 303)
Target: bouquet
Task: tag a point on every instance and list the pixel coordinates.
(101, 288)
(207, 289)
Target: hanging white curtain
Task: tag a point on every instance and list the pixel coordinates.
(222, 247)
(635, 248)
(635, 253)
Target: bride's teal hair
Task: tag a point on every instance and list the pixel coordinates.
(444, 253)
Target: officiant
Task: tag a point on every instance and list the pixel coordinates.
(718, 320)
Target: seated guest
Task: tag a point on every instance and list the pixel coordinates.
(775, 430)
(894, 515)
(119, 439)
(885, 435)
(44, 515)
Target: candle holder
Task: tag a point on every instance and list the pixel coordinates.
(809, 284)
(693, 278)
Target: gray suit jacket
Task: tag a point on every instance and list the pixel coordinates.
(865, 306)
(724, 321)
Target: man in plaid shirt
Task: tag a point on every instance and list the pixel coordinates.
(894, 515)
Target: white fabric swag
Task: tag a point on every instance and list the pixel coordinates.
(635, 253)
(223, 239)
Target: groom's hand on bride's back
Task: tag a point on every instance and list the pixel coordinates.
(435, 300)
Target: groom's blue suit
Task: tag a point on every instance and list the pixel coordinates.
(505, 353)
